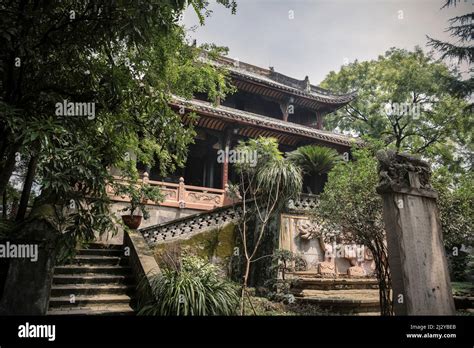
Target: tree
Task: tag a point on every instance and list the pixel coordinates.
(118, 64)
(264, 187)
(456, 211)
(314, 160)
(350, 205)
(125, 59)
(461, 29)
(405, 99)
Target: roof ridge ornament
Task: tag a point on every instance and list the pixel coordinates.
(307, 84)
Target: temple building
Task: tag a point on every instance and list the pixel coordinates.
(197, 215)
(267, 104)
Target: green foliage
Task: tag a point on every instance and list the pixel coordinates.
(128, 59)
(456, 206)
(274, 179)
(350, 200)
(463, 289)
(405, 99)
(460, 28)
(139, 194)
(351, 207)
(456, 209)
(192, 289)
(283, 261)
(268, 184)
(314, 160)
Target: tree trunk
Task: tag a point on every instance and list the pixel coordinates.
(383, 276)
(25, 194)
(7, 169)
(4, 204)
(244, 286)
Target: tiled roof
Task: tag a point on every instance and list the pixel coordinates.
(285, 83)
(245, 117)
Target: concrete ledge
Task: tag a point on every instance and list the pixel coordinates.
(142, 261)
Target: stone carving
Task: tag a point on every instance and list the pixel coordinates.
(306, 229)
(169, 194)
(355, 271)
(402, 170)
(326, 268)
(204, 197)
(416, 253)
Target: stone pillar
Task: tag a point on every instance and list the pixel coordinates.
(28, 282)
(417, 259)
(181, 194)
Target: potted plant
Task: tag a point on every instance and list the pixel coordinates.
(139, 195)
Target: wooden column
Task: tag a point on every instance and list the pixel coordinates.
(285, 108)
(226, 143)
(319, 121)
(418, 265)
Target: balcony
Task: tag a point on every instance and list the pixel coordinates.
(182, 196)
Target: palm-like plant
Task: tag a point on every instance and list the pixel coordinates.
(269, 185)
(314, 160)
(192, 289)
(279, 180)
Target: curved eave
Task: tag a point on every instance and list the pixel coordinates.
(332, 100)
(255, 120)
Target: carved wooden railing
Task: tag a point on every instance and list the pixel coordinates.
(181, 195)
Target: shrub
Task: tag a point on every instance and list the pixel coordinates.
(193, 288)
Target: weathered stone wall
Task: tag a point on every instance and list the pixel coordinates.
(216, 245)
(301, 235)
(158, 215)
(28, 282)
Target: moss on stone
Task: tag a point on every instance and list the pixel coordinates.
(216, 245)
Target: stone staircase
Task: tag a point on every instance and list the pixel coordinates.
(353, 296)
(98, 281)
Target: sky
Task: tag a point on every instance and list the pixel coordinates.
(313, 37)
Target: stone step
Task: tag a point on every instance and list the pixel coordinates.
(90, 269)
(104, 246)
(58, 290)
(367, 314)
(334, 284)
(98, 260)
(109, 309)
(84, 300)
(101, 252)
(342, 301)
(464, 302)
(87, 278)
(100, 280)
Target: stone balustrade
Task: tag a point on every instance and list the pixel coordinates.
(188, 226)
(182, 196)
(304, 202)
